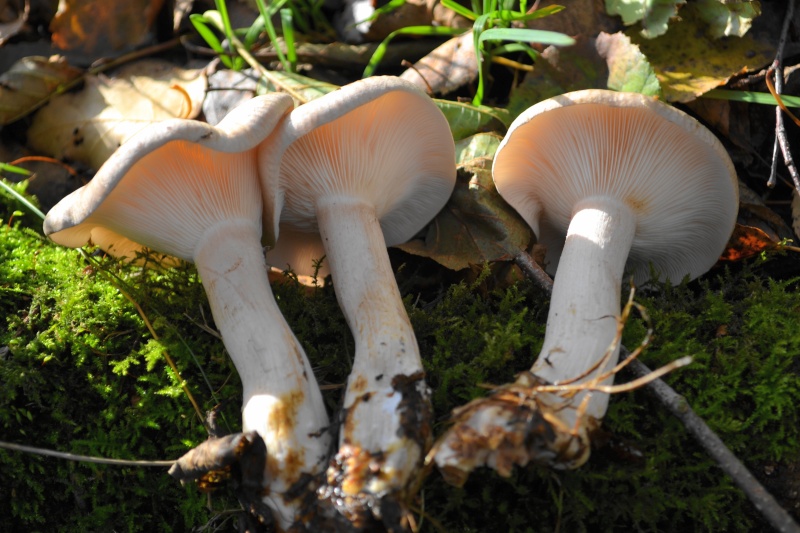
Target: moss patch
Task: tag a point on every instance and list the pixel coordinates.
(83, 374)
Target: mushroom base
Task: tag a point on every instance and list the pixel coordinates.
(516, 424)
(369, 487)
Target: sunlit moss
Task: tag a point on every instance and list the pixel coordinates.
(84, 374)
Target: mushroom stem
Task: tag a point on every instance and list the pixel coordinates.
(581, 323)
(386, 423)
(282, 401)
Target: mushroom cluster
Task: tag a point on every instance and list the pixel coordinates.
(610, 183)
(347, 175)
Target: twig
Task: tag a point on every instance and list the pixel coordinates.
(727, 461)
(776, 515)
(780, 128)
(81, 458)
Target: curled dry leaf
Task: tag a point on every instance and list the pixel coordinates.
(12, 19)
(447, 68)
(747, 241)
(88, 125)
(96, 26)
(475, 226)
(29, 82)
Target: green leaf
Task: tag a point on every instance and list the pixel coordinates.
(654, 15)
(475, 146)
(727, 18)
(467, 119)
(628, 68)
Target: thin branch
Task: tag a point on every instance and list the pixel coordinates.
(81, 458)
(780, 128)
(776, 515)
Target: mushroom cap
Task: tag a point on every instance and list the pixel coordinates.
(172, 181)
(672, 173)
(379, 140)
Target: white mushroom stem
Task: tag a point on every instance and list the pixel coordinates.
(386, 346)
(581, 324)
(281, 399)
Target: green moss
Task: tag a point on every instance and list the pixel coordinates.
(85, 375)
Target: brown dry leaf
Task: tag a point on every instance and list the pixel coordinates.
(87, 126)
(29, 82)
(96, 27)
(475, 226)
(689, 63)
(746, 241)
(447, 68)
(581, 18)
(12, 18)
(796, 213)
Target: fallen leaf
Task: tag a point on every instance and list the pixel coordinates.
(476, 146)
(608, 61)
(746, 241)
(88, 125)
(628, 68)
(726, 18)
(447, 68)
(29, 82)
(467, 119)
(689, 63)
(475, 226)
(96, 26)
(654, 15)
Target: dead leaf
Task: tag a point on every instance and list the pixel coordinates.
(689, 63)
(96, 26)
(87, 126)
(475, 226)
(796, 214)
(447, 68)
(14, 17)
(582, 18)
(29, 82)
(746, 241)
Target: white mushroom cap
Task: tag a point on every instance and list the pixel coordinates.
(670, 171)
(370, 140)
(165, 163)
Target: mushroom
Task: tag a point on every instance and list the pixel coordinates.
(609, 182)
(366, 167)
(188, 189)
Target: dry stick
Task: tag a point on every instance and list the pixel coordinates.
(776, 515)
(780, 128)
(81, 458)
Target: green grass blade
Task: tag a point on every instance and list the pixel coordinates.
(200, 25)
(272, 34)
(458, 8)
(21, 199)
(288, 37)
(751, 97)
(526, 36)
(380, 51)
